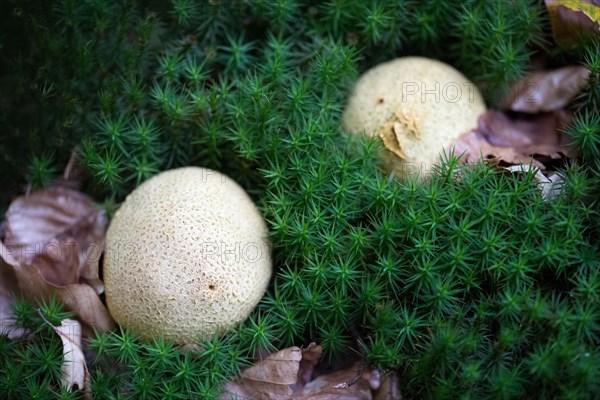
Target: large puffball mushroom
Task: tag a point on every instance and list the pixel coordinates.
(418, 107)
(186, 256)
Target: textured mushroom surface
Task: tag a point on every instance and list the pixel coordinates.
(417, 106)
(186, 256)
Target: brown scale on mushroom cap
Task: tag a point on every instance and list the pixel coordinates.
(417, 106)
(186, 256)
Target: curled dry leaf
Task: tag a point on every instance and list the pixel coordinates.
(73, 370)
(545, 90)
(8, 288)
(350, 384)
(473, 147)
(270, 378)
(310, 357)
(541, 134)
(515, 141)
(53, 239)
(59, 231)
(389, 389)
(275, 376)
(549, 185)
(73, 174)
(574, 21)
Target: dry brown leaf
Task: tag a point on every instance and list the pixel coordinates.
(73, 370)
(7, 285)
(473, 147)
(275, 376)
(310, 357)
(550, 185)
(514, 142)
(270, 378)
(59, 231)
(8, 288)
(573, 21)
(538, 134)
(81, 298)
(53, 239)
(73, 174)
(348, 384)
(389, 389)
(545, 90)
(286, 375)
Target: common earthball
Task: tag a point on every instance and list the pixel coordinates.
(186, 257)
(418, 107)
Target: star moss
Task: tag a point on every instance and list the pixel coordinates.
(470, 285)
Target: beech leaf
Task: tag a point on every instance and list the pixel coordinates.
(473, 147)
(549, 185)
(573, 21)
(545, 90)
(73, 370)
(59, 231)
(515, 141)
(53, 239)
(8, 288)
(348, 384)
(310, 357)
(275, 376)
(389, 389)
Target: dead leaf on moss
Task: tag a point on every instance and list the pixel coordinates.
(573, 21)
(73, 174)
(270, 378)
(275, 376)
(515, 141)
(389, 389)
(350, 384)
(549, 185)
(310, 357)
(53, 239)
(544, 91)
(538, 134)
(8, 289)
(59, 231)
(73, 370)
(473, 147)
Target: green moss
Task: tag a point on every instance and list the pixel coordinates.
(471, 287)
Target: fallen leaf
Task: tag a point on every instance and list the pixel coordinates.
(270, 378)
(538, 134)
(549, 185)
(310, 357)
(275, 376)
(286, 375)
(8, 288)
(545, 90)
(515, 141)
(73, 174)
(73, 370)
(473, 147)
(553, 186)
(573, 21)
(53, 239)
(389, 389)
(349, 384)
(59, 231)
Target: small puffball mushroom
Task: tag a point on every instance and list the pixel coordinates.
(418, 107)
(186, 256)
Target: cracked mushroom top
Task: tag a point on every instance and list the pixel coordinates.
(417, 106)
